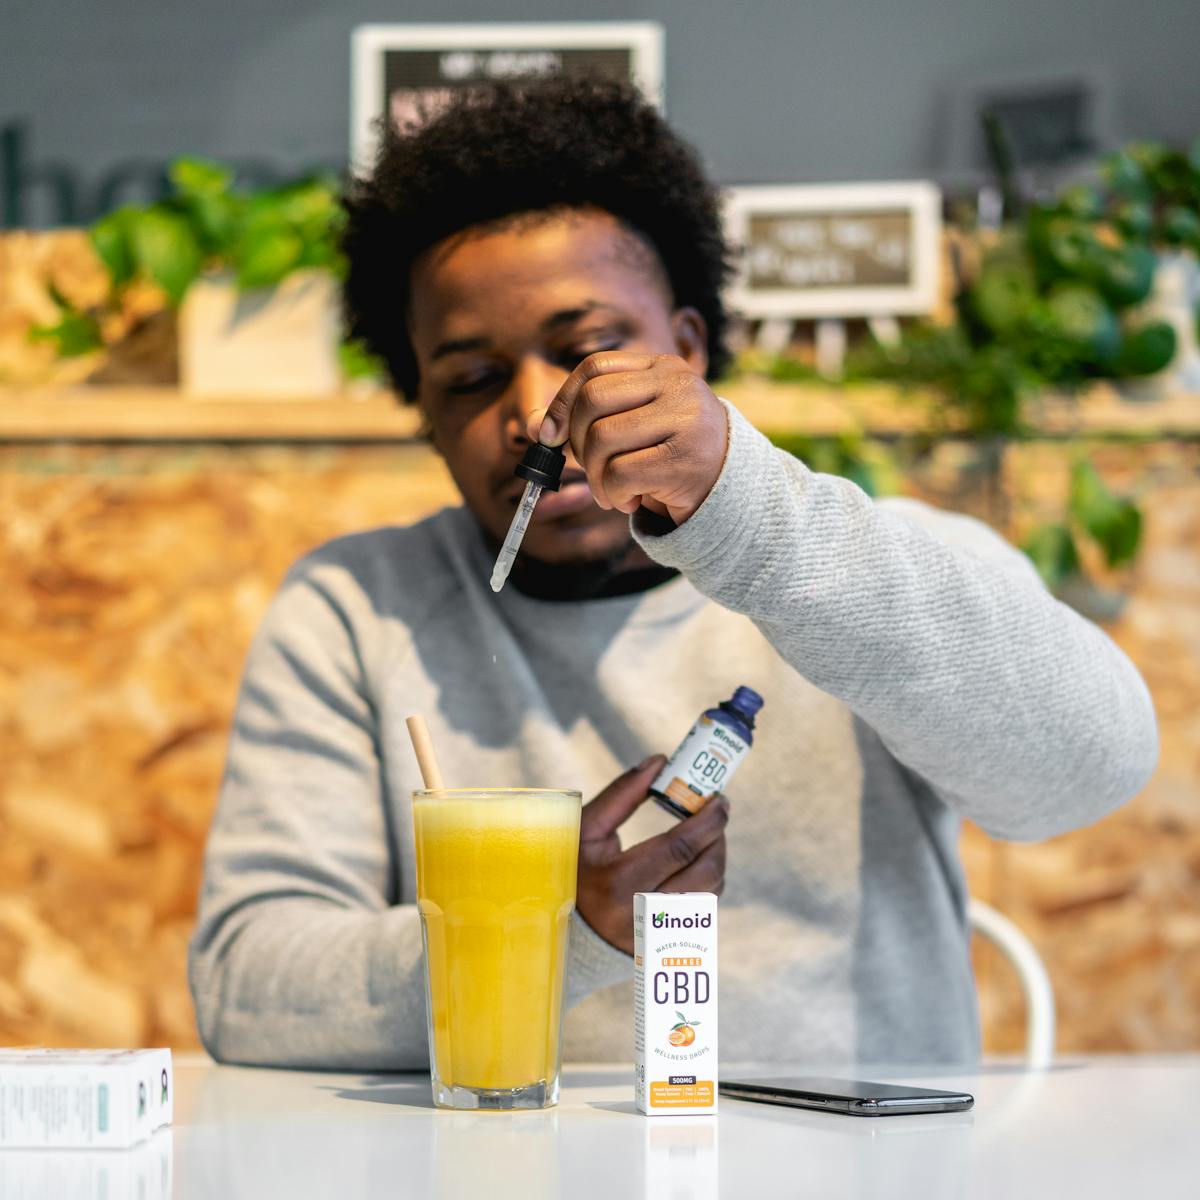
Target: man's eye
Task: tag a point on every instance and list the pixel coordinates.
(577, 355)
(476, 383)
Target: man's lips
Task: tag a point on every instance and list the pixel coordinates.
(573, 496)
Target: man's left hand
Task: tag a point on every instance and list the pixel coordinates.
(645, 427)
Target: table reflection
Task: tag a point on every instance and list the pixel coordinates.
(826, 1154)
(681, 1158)
(144, 1171)
(503, 1156)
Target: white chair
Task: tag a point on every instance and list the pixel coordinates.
(1035, 982)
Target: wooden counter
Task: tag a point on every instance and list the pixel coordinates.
(148, 414)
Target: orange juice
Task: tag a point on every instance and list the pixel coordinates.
(495, 886)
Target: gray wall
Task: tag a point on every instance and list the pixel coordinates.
(770, 91)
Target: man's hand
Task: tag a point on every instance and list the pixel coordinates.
(645, 427)
(689, 858)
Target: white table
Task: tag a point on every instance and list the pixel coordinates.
(1086, 1130)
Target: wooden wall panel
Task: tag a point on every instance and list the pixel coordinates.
(132, 579)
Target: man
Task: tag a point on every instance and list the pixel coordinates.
(546, 262)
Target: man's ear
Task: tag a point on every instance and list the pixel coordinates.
(691, 338)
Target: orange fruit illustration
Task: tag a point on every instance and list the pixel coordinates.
(682, 1033)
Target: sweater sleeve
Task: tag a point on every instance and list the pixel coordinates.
(1024, 716)
(301, 955)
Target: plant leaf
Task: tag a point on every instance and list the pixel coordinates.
(681, 1016)
(1181, 225)
(1124, 174)
(357, 362)
(1114, 522)
(110, 237)
(1123, 537)
(199, 176)
(308, 203)
(323, 254)
(77, 333)
(217, 219)
(56, 294)
(1146, 349)
(263, 260)
(1052, 549)
(165, 247)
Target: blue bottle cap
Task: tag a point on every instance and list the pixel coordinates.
(747, 702)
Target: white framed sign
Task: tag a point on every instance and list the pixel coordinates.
(835, 250)
(394, 69)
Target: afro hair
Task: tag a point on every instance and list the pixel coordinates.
(509, 149)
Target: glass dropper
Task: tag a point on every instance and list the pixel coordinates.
(542, 469)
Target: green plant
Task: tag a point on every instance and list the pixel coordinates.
(205, 225)
(865, 462)
(1153, 191)
(75, 332)
(1053, 303)
(358, 363)
(1055, 299)
(986, 383)
(1113, 523)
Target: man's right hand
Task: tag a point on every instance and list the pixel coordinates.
(688, 858)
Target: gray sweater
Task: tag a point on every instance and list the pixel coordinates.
(915, 672)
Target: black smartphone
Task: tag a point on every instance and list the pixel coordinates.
(854, 1097)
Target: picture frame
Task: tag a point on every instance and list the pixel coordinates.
(1053, 117)
(835, 250)
(394, 67)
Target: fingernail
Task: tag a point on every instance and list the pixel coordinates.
(647, 761)
(548, 433)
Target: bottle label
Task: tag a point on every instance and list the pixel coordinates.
(702, 766)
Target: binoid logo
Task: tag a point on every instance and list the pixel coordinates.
(662, 921)
(723, 735)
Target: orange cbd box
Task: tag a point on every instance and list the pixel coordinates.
(675, 1002)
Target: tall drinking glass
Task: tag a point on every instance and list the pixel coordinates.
(495, 886)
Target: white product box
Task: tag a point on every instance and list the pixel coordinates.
(675, 1002)
(100, 1099)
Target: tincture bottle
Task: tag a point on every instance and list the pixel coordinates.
(707, 758)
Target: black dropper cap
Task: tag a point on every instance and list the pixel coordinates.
(544, 465)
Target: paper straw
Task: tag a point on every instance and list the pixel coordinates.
(423, 748)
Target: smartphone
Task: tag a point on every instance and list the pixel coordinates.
(854, 1097)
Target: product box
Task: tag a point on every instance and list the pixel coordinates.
(675, 1002)
(102, 1099)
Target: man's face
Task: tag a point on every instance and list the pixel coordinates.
(499, 319)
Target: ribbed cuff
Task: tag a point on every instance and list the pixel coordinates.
(591, 962)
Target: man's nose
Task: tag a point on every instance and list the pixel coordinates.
(534, 385)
